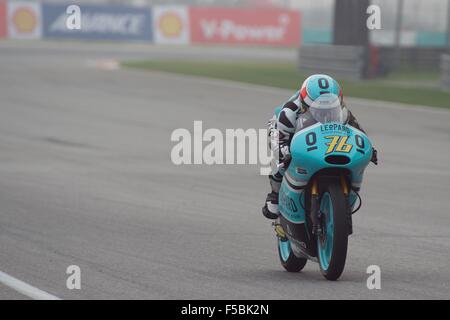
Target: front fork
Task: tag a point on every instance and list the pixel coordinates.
(316, 215)
(346, 190)
(315, 209)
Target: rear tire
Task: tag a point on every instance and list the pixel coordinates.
(287, 258)
(332, 246)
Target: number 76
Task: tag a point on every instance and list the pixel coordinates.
(338, 144)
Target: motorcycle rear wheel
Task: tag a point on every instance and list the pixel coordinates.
(288, 260)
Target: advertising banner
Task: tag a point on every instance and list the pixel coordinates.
(99, 23)
(258, 26)
(3, 19)
(171, 24)
(24, 20)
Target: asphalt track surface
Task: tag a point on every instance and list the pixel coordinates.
(86, 179)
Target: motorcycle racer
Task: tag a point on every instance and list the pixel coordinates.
(295, 113)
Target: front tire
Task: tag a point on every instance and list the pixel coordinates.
(332, 244)
(287, 258)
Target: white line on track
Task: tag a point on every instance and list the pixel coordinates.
(24, 288)
(104, 64)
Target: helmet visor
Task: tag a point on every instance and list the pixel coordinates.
(327, 108)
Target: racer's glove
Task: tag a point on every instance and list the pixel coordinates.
(374, 156)
(287, 161)
(284, 164)
(284, 151)
(285, 157)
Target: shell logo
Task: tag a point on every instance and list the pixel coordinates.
(171, 25)
(24, 20)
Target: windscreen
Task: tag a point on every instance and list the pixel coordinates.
(327, 108)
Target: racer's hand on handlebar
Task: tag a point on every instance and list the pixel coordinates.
(285, 157)
(284, 150)
(286, 161)
(374, 156)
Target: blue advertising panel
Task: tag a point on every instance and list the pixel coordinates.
(99, 22)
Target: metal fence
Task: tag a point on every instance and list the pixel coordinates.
(445, 71)
(343, 62)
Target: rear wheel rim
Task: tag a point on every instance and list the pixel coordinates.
(325, 241)
(285, 249)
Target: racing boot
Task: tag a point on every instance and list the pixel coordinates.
(270, 209)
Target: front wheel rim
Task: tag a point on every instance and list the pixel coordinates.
(325, 241)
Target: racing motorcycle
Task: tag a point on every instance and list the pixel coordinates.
(319, 191)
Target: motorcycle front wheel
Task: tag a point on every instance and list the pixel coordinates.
(332, 243)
